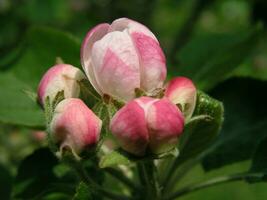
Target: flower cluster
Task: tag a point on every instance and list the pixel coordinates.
(119, 59)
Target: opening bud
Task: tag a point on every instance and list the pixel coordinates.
(122, 56)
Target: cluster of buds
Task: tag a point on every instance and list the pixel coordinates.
(118, 59)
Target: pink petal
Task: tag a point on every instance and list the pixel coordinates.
(182, 90)
(165, 123)
(92, 36)
(116, 65)
(129, 128)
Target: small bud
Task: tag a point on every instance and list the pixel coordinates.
(147, 124)
(75, 126)
(57, 78)
(123, 56)
(182, 92)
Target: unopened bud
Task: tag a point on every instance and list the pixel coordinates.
(61, 77)
(147, 124)
(75, 126)
(182, 92)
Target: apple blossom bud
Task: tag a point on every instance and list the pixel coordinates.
(75, 126)
(147, 124)
(57, 78)
(182, 91)
(123, 56)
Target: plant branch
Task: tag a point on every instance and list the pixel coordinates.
(174, 175)
(212, 182)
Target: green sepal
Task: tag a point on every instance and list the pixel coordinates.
(121, 157)
(87, 93)
(82, 192)
(201, 130)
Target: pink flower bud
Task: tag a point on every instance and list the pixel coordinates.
(74, 125)
(121, 57)
(147, 124)
(182, 91)
(57, 78)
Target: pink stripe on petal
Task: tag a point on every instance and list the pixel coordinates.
(119, 79)
(165, 122)
(152, 61)
(129, 127)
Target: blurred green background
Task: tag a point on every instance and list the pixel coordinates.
(220, 44)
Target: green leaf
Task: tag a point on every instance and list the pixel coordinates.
(245, 122)
(203, 127)
(35, 174)
(113, 159)
(5, 183)
(210, 59)
(15, 106)
(259, 161)
(82, 192)
(42, 47)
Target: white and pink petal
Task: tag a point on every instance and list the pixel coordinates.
(57, 78)
(116, 65)
(95, 34)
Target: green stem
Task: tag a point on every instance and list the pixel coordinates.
(120, 176)
(141, 173)
(177, 172)
(179, 169)
(151, 180)
(212, 182)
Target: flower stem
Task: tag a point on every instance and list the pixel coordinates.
(151, 180)
(212, 182)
